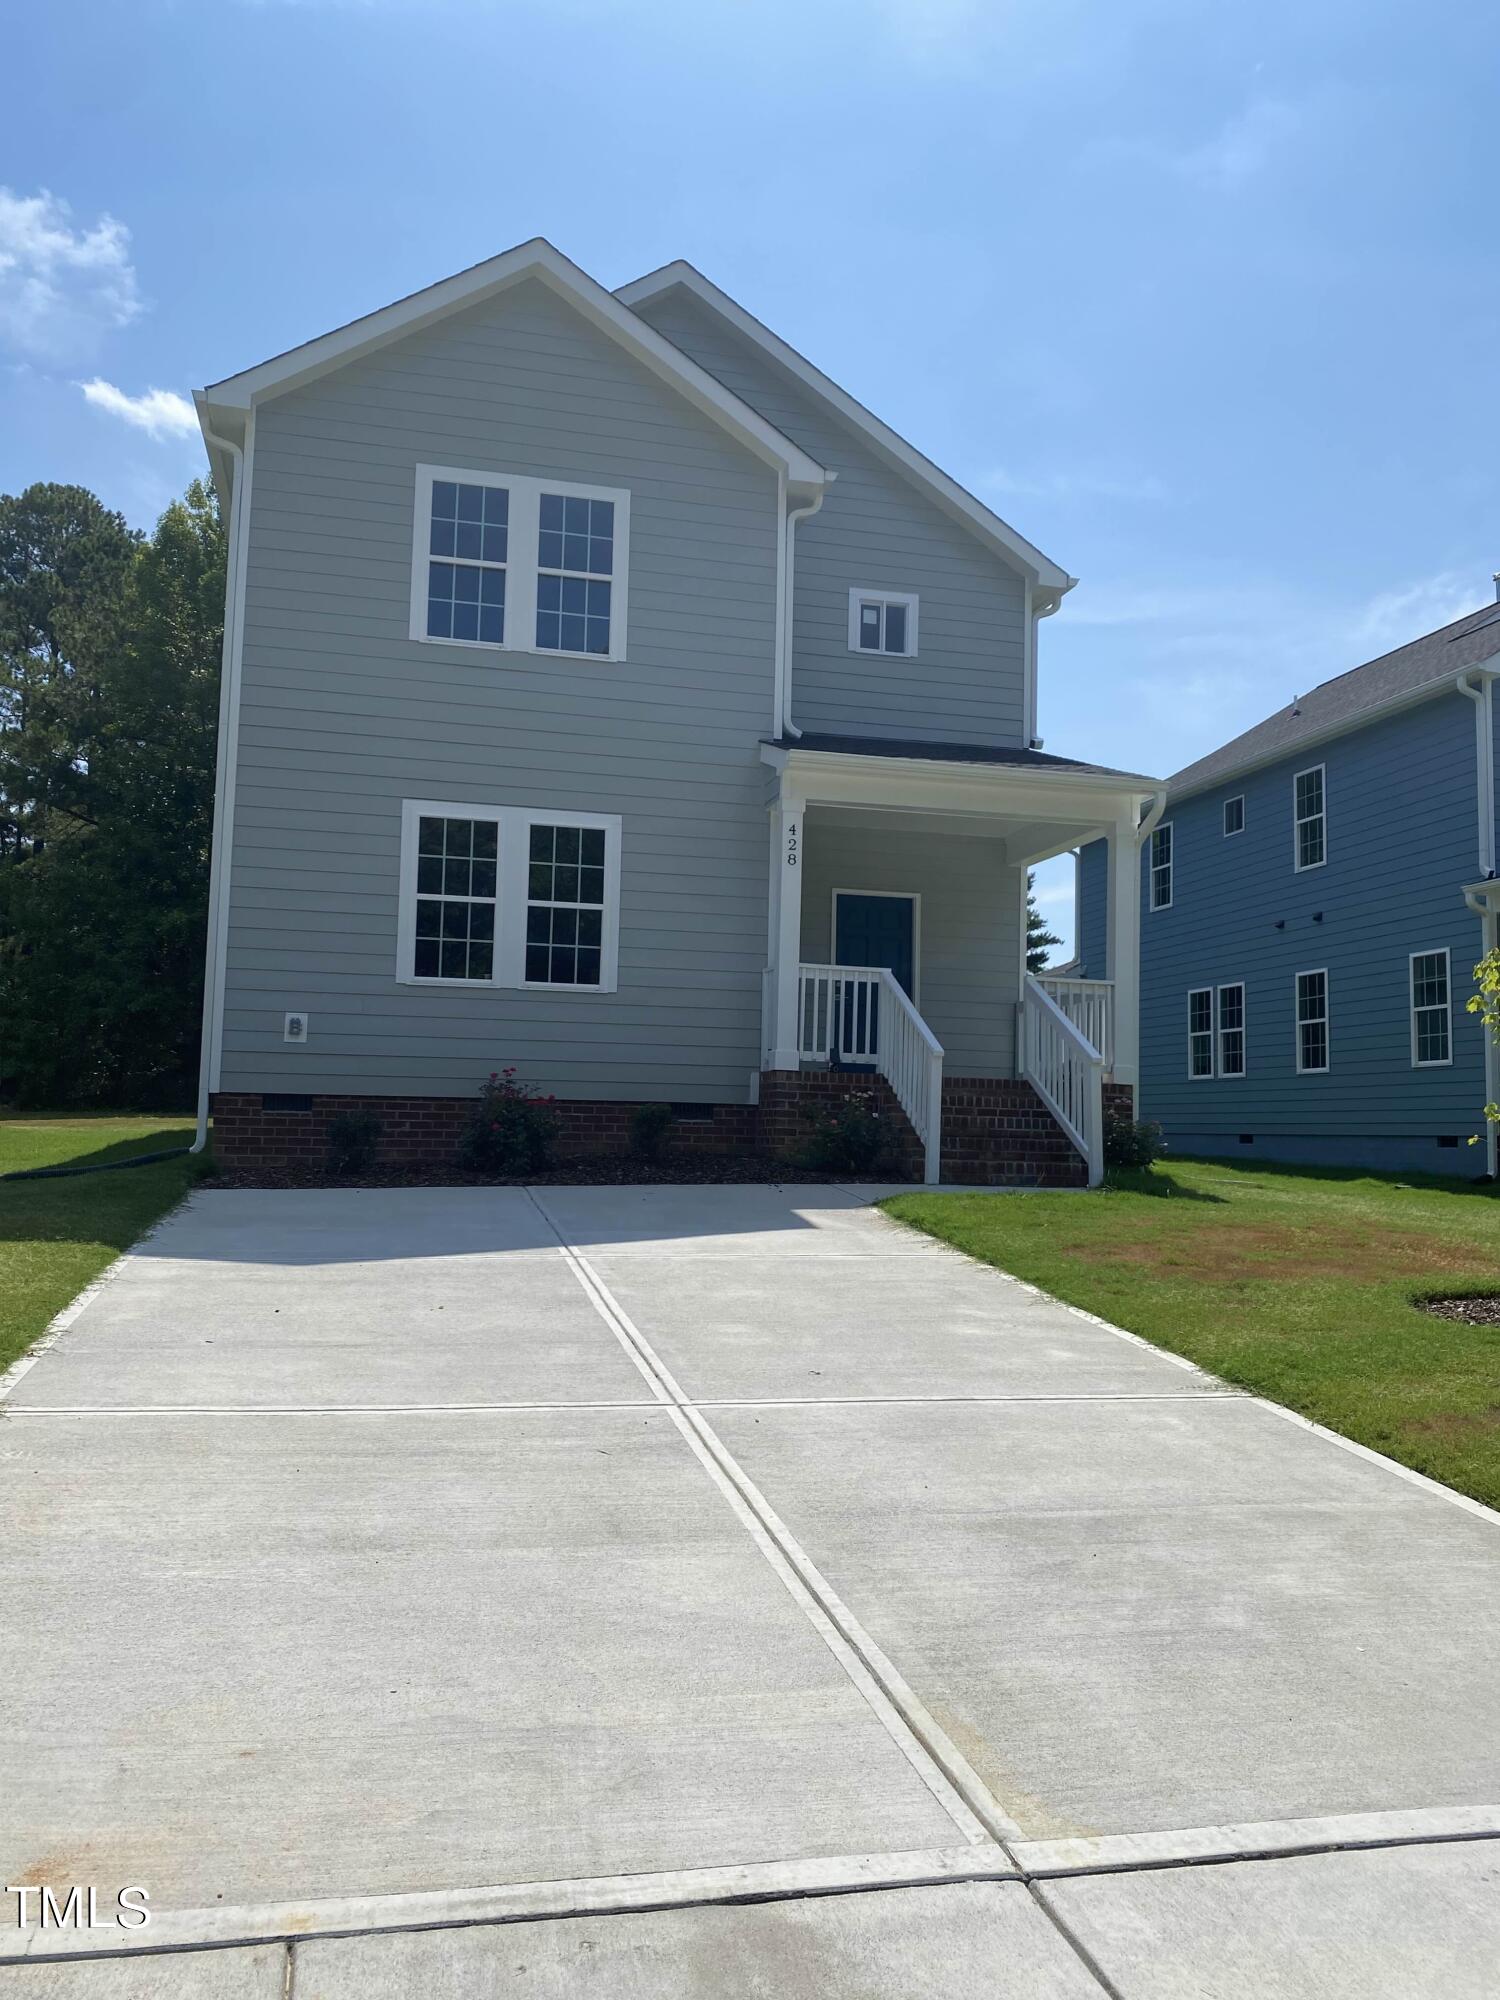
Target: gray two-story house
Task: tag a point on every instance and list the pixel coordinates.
(608, 694)
(1313, 901)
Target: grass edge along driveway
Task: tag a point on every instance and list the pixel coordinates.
(1297, 1283)
(56, 1236)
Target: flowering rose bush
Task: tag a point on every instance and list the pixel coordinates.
(511, 1130)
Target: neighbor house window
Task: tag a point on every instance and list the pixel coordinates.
(564, 905)
(508, 563)
(1431, 1025)
(508, 896)
(882, 621)
(1161, 867)
(1312, 1021)
(1201, 1032)
(1311, 820)
(1232, 1030)
(1234, 815)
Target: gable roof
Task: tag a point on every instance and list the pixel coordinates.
(955, 501)
(1395, 680)
(537, 259)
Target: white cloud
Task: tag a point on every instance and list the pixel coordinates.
(60, 285)
(160, 413)
(1083, 484)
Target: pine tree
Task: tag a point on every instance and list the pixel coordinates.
(1039, 940)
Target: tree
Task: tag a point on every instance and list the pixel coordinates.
(109, 651)
(1486, 1004)
(1039, 940)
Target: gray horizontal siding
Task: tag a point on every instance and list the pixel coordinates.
(876, 531)
(344, 716)
(1091, 918)
(968, 973)
(1402, 837)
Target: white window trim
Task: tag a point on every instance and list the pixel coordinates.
(1232, 832)
(1203, 1075)
(514, 845)
(1442, 952)
(1234, 1075)
(1313, 972)
(521, 567)
(1166, 902)
(1299, 821)
(859, 597)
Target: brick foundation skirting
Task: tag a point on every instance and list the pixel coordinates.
(425, 1131)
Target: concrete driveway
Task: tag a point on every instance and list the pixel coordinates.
(706, 1590)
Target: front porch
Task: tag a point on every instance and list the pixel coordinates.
(898, 944)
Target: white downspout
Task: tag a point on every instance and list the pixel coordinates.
(1483, 698)
(788, 727)
(224, 774)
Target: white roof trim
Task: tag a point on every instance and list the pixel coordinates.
(952, 497)
(536, 259)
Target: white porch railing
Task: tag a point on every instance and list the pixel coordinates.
(1090, 1005)
(859, 1014)
(1065, 1069)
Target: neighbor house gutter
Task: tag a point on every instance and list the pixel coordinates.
(241, 458)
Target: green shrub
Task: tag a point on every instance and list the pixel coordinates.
(511, 1129)
(851, 1138)
(1131, 1142)
(353, 1142)
(649, 1127)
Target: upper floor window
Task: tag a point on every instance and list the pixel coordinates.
(1431, 1023)
(508, 896)
(528, 565)
(882, 621)
(1161, 867)
(1311, 818)
(1234, 815)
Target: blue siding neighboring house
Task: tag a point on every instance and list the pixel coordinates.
(1312, 906)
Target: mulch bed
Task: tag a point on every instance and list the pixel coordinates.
(682, 1169)
(1472, 1312)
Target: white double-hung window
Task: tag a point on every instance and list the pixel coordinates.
(508, 896)
(1431, 1015)
(519, 564)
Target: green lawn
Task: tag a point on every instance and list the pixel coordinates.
(1297, 1283)
(58, 1235)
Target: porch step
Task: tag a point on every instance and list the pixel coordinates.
(998, 1133)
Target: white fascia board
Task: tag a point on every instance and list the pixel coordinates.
(230, 423)
(1446, 683)
(536, 259)
(954, 499)
(1005, 791)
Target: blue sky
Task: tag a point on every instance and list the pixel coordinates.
(1204, 299)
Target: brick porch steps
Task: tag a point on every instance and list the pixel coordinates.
(998, 1133)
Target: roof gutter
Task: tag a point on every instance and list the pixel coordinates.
(788, 606)
(240, 459)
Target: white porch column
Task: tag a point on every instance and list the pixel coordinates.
(785, 953)
(1125, 945)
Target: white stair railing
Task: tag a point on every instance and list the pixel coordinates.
(860, 1014)
(1090, 1005)
(1065, 1069)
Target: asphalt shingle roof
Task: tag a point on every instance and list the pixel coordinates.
(947, 753)
(1427, 662)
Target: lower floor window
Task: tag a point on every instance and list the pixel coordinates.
(1232, 1030)
(508, 896)
(1312, 1021)
(1431, 1028)
(1201, 1032)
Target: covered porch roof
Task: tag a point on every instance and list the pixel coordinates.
(1038, 805)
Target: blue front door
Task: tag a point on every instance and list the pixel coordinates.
(876, 930)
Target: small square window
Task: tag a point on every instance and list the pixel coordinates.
(882, 622)
(1234, 816)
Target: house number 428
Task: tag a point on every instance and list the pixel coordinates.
(793, 844)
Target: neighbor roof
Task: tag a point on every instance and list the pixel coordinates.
(537, 259)
(1393, 681)
(954, 499)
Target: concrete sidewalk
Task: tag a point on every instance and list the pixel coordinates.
(574, 1566)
